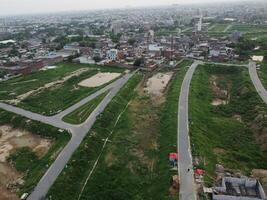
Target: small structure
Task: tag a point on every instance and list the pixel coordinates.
(173, 157)
(239, 189)
(112, 54)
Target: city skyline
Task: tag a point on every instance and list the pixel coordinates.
(16, 7)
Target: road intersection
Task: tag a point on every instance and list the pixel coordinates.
(78, 132)
(186, 174)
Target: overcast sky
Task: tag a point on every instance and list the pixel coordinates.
(8, 7)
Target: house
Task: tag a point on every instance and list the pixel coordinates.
(112, 54)
(239, 189)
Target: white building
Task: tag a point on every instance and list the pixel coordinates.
(112, 54)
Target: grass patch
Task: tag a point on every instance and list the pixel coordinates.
(23, 159)
(135, 163)
(213, 127)
(53, 100)
(17, 86)
(248, 28)
(33, 169)
(81, 114)
(73, 176)
(219, 27)
(262, 73)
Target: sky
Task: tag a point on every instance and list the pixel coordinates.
(14, 7)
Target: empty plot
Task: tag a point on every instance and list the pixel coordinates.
(157, 83)
(247, 28)
(99, 79)
(218, 27)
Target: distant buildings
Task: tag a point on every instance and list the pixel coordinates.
(112, 54)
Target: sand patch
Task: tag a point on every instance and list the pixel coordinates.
(257, 58)
(157, 83)
(220, 89)
(99, 79)
(11, 140)
(217, 102)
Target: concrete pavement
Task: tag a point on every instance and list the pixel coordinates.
(78, 131)
(256, 81)
(187, 183)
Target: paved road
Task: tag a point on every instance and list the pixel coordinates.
(227, 64)
(256, 81)
(78, 131)
(36, 117)
(187, 184)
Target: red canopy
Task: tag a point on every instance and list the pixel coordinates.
(173, 155)
(199, 172)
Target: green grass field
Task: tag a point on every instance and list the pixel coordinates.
(25, 161)
(81, 114)
(17, 86)
(50, 101)
(135, 163)
(219, 27)
(218, 138)
(246, 28)
(82, 161)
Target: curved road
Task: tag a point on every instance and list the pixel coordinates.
(78, 132)
(256, 81)
(187, 184)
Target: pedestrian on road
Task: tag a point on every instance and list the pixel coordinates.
(188, 170)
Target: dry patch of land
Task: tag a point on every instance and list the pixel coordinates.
(99, 79)
(157, 83)
(10, 141)
(220, 91)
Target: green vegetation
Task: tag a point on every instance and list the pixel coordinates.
(247, 28)
(262, 73)
(81, 114)
(55, 99)
(52, 100)
(134, 164)
(73, 176)
(24, 160)
(219, 27)
(216, 135)
(16, 86)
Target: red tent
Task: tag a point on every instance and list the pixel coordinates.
(199, 172)
(173, 156)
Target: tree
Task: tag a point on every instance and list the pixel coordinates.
(265, 56)
(138, 62)
(131, 41)
(97, 59)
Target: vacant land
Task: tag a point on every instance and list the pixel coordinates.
(157, 83)
(99, 79)
(74, 175)
(218, 27)
(52, 95)
(81, 114)
(27, 150)
(12, 88)
(134, 164)
(246, 28)
(230, 133)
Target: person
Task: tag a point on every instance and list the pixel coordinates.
(188, 169)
